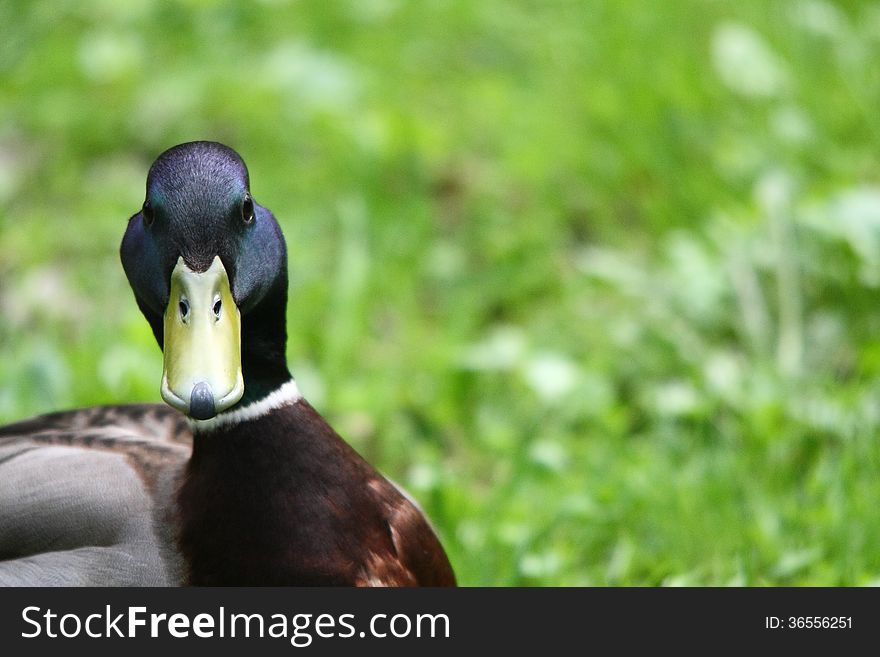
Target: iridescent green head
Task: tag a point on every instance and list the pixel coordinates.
(208, 267)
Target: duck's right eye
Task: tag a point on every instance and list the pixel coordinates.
(147, 211)
(247, 208)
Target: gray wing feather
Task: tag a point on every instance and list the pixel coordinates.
(89, 502)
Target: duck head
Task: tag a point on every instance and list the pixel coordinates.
(208, 267)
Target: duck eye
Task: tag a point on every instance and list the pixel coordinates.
(247, 209)
(147, 211)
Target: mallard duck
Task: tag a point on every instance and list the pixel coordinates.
(237, 480)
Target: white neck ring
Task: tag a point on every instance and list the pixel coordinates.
(287, 395)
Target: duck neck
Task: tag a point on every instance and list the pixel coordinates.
(263, 347)
(263, 376)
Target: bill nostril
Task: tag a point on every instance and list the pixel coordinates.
(201, 402)
(184, 309)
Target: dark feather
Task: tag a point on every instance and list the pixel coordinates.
(299, 507)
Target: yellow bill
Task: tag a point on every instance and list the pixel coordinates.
(202, 342)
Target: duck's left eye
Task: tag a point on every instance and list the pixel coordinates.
(247, 209)
(147, 211)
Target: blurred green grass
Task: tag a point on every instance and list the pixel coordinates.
(596, 281)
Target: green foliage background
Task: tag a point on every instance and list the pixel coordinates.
(597, 281)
